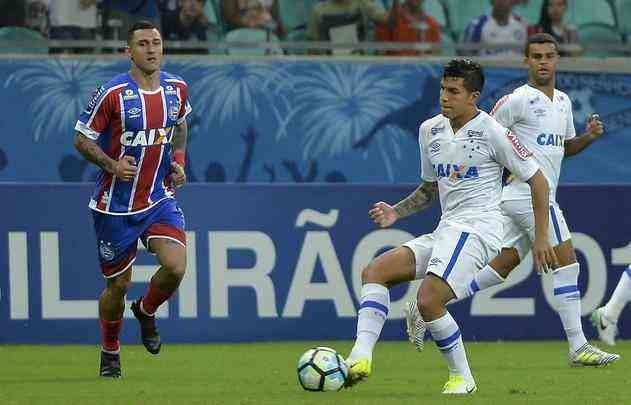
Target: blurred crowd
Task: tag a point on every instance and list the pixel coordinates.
(433, 22)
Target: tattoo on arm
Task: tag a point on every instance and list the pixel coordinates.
(92, 152)
(179, 137)
(420, 199)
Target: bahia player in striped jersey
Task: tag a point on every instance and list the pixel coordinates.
(541, 117)
(463, 151)
(135, 130)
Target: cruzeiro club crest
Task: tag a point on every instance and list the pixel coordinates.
(105, 250)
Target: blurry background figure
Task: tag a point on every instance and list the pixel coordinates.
(12, 13)
(186, 22)
(501, 26)
(344, 21)
(120, 15)
(72, 20)
(260, 14)
(37, 16)
(551, 22)
(409, 23)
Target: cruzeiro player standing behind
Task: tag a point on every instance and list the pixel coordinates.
(463, 151)
(541, 117)
(135, 130)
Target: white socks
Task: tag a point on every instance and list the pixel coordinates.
(485, 278)
(620, 297)
(446, 335)
(373, 310)
(568, 303)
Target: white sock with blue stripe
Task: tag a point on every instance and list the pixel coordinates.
(372, 314)
(620, 297)
(568, 303)
(485, 278)
(446, 335)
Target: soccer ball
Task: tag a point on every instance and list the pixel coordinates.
(322, 369)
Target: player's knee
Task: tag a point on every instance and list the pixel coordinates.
(373, 274)
(176, 265)
(118, 286)
(427, 302)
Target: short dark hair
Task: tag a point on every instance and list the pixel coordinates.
(140, 25)
(541, 38)
(469, 70)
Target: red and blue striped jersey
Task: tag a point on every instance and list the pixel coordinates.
(126, 120)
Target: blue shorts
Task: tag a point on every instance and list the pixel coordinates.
(117, 235)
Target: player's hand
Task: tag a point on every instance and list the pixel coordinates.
(595, 127)
(178, 175)
(545, 260)
(126, 168)
(383, 214)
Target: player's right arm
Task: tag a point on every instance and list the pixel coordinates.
(94, 120)
(124, 169)
(384, 215)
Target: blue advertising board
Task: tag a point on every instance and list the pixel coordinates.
(287, 121)
(276, 262)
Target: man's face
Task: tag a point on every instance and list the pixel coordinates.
(542, 61)
(192, 8)
(503, 6)
(145, 49)
(455, 99)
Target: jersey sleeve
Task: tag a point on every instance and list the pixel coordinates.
(185, 106)
(427, 172)
(570, 131)
(507, 110)
(97, 115)
(510, 153)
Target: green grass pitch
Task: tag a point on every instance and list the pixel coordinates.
(264, 373)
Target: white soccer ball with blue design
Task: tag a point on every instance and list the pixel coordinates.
(322, 369)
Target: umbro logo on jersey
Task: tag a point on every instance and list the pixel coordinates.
(134, 112)
(540, 112)
(147, 137)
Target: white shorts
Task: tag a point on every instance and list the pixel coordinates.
(451, 254)
(519, 225)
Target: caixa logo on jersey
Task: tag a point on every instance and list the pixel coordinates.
(455, 172)
(147, 137)
(550, 140)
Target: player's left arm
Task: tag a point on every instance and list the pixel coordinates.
(510, 153)
(543, 254)
(594, 130)
(179, 153)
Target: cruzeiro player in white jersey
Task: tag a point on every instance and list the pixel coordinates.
(463, 152)
(541, 117)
